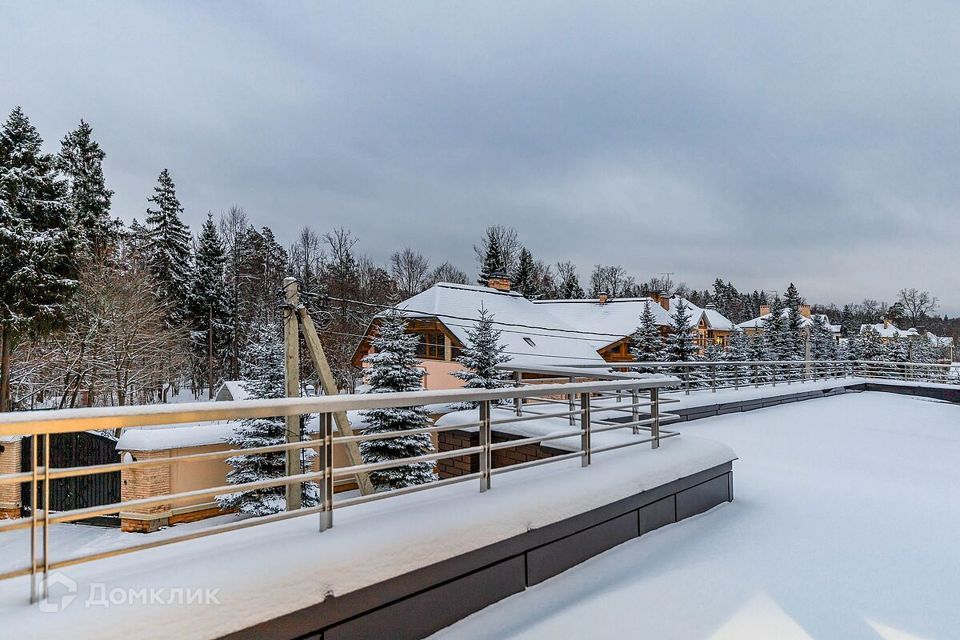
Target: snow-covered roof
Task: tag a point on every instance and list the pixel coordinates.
(940, 341)
(531, 333)
(805, 322)
(201, 434)
(232, 390)
(888, 330)
(619, 317)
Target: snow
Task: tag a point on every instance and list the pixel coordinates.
(200, 434)
(551, 339)
(805, 322)
(844, 526)
(277, 568)
(888, 330)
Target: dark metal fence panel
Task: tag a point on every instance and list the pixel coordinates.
(74, 450)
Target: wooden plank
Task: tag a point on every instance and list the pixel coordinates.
(329, 386)
(291, 382)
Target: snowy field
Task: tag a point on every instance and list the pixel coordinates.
(844, 525)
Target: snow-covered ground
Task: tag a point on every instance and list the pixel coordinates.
(266, 571)
(844, 526)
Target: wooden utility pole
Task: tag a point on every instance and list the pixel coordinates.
(315, 347)
(291, 381)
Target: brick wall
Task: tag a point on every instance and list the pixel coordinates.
(10, 493)
(463, 465)
(145, 482)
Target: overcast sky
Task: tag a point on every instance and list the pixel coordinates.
(764, 142)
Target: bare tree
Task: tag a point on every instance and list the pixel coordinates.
(917, 305)
(446, 272)
(410, 271)
(507, 242)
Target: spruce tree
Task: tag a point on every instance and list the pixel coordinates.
(757, 352)
(169, 247)
(737, 351)
(207, 304)
(263, 372)
(822, 344)
(81, 162)
(646, 345)
(37, 243)
(525, 280)
(494, 260)
(481, 356)
(794, 337)
(393, 367)
(775, 333)
(681, 346)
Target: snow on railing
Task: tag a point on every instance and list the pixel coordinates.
(714, 375)
(527, 402)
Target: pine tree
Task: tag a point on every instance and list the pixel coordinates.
(81, 162)
(822, 344)
(494, 260)
(791, 298)
(757, 352)
(873, 348)
(480, 357)
(169, 247)
(37, 244)
(525, 276)
(794, 335)
(646, 344)
(681, 346)
(263, 372)
(775, 333)
(394, 368)
(737, 351)
(207, 305)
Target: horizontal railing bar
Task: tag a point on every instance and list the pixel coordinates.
(373, 497)
(533, 415)
(390, 464)
(68, 420)
(536, 463)
(366, 437)
(633, 443)
(193, 535)
(556, 435)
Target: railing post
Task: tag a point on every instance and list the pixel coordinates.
(687, 378)
(44, 590)
(572, 403)
(713, 378)
(518, 401)
(635, 410)
(326, 464)
(655, 418)
(585, 453)
(485, 437)
(291, 385)
(34, 520)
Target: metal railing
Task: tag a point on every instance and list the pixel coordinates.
(528, 402)
(716, 375)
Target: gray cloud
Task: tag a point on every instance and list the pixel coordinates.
(762, 142)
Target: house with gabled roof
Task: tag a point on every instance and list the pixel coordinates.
(756, 325)
(443, 314)
(614, 320)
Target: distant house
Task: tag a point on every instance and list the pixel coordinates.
(442, 315)
(886, 330)
(756, 325)
(615, 320)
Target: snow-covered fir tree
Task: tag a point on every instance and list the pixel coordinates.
(852, 348)
(169, 247)
(872, 347)
(263, 371)
(646, 345)
(393, 367)
(757, 352)
(37, 243)
(822, 344)
(494, 260)
(524, 278)
(896, 349)
(681, 346)
(737, 351)
(480, 357)
(794, 338)
(776, 334)
(81, 162)
(207, 304)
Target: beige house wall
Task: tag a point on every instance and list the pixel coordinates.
(10, 493)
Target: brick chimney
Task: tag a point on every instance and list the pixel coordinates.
(805, 310)
(602, 297)
(499, 281)
(764, 309)
(886, 323)
(663, 299)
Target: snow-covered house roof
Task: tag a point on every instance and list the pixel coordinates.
(531, 333)
(889, 330)
(805, 322)
(232, 390)
(618, 317)
(940, 341)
